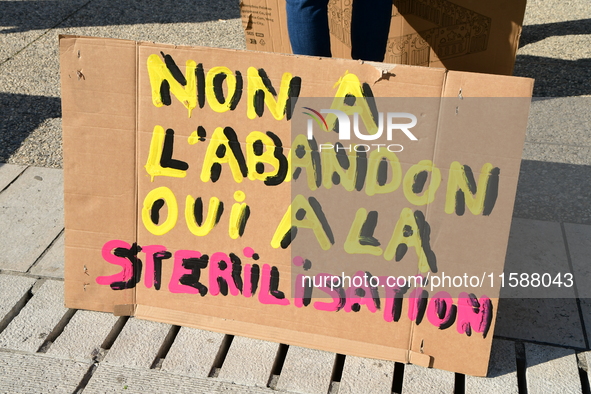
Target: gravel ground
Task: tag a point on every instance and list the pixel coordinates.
(30, 112)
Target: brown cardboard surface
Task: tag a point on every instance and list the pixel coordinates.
(125, 151)
(464, 35)
(99, 143)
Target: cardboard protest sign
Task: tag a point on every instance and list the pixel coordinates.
(200, 190)
(464, 35)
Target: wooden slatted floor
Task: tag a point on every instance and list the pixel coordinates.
(46, 348)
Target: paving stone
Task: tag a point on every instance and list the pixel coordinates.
(365, 375)
(249, 361)
(551, 370)
(114, 379)
(538, 246)
(138, 343)
(193, 352)
(8, 172)
(32, 213)
(28, 330)
(502, 372)
(37, 374)
(579, 242)
(12, 289)
(83, 336)
(554, 191)
(422, 380)
(306, 370)
(554, 321)
(578, 238)
(52, 262)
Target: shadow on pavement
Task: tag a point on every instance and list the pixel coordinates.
(21, 114)
(22, 16)
(555, 77)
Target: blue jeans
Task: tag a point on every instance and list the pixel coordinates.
(307, 23)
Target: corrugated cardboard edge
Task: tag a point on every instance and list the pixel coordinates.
(289, 337)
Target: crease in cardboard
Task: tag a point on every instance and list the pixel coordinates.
(428, 208)
(285, 42)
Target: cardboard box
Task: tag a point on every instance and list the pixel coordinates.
(463, 35)
(157, 138)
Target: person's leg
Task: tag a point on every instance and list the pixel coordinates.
(370, 25)
(307, 23)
